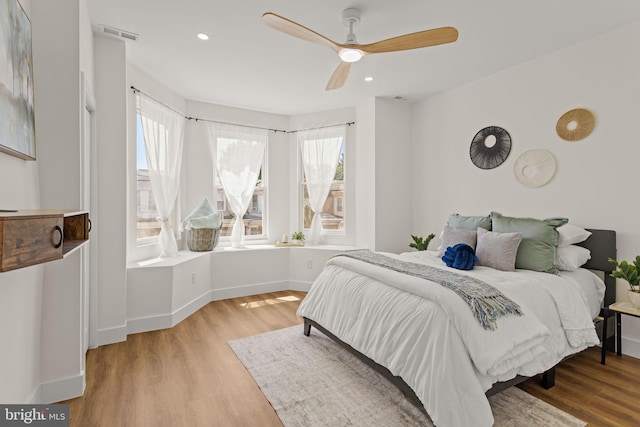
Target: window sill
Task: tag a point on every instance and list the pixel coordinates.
(186, 255)
(183, 256)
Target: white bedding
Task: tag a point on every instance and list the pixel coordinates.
(426, 334)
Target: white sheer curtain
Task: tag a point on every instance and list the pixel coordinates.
(237, 152)
(163, 131)
(320, 149)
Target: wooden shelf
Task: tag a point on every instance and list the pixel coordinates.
(625, 307)
(32, 237)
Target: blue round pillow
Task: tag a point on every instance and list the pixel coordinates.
(460, 256)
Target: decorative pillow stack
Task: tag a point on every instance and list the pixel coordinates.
(509, 243)
(570, 256)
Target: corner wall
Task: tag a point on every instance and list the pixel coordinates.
(111, 228)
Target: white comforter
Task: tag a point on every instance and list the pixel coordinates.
(426, 334)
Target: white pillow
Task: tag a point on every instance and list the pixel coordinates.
(572, 257)
(570, 234)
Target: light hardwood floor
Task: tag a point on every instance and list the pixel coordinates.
(189, 376)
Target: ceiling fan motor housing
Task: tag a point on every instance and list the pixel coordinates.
(350, 17)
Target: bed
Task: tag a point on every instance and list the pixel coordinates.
(435, 349)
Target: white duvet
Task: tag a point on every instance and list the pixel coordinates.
(426, 334)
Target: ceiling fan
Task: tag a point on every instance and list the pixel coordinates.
(351, 51)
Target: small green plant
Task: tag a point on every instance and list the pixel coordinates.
(421, 244)
(628, 271)
(297, 235)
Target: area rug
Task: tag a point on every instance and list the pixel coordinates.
(312, 381)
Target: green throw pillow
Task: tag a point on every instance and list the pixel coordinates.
(469, 222)
(539, 245)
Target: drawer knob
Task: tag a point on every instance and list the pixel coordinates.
(59, 230)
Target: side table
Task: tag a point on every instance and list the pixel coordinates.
(619, 308)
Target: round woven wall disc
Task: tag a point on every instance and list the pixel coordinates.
(534, 168)
(575, 124)
(490, 147)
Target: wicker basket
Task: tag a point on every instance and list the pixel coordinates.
(202, 239)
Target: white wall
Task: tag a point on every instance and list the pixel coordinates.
(393, 176)
(366, 174)
(20, 290)
(594, 185)
(41, 325)
(111, 228)
(56, 50)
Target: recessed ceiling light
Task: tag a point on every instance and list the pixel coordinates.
(203, 36)
(368, 79)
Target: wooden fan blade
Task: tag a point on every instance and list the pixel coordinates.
(425, 38)
(294, 29)
(339, 76)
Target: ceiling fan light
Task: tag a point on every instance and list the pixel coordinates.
(350, 55)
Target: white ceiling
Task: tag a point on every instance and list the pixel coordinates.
(247, 64)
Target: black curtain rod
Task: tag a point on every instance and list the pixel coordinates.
(235, 124)
(322, 127)
(228, 123)
(203, 120)
(158, 101)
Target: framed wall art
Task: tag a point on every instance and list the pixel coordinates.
(17, 120)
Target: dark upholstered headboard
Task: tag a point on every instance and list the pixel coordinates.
(602, 244)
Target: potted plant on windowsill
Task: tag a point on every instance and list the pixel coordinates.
(297, 238)
(631, 273)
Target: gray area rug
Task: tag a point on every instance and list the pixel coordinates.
(312, 381)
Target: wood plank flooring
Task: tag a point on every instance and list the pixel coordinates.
(189, 376)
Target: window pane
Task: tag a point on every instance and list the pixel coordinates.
(147, 225)
(332, 213)
(253, 218)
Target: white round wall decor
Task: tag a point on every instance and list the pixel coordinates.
(534, 168)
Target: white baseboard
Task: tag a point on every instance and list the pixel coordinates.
(189, 308)
(35, 398)
(149, 323)
(297, 285)
(167, 320)
(630, 347)
(112, 335)
(63, 389)
(243, 291)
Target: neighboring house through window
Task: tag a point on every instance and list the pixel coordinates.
(146, 225)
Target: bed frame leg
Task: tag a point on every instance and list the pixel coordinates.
(307, 328)
(549, 378)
